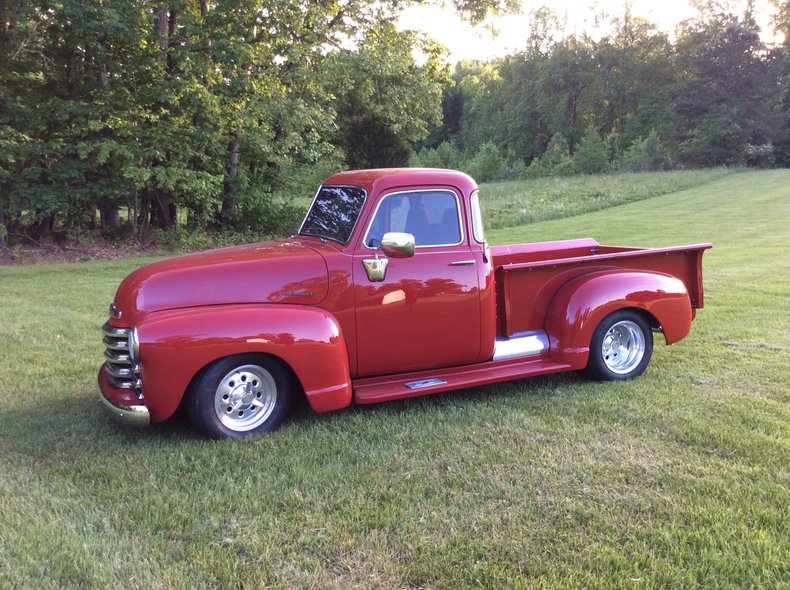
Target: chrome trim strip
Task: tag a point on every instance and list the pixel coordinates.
(116, 343)
(522, 344)
(117, 358)
(114, 332)
(120, 383)
(129, 415)
(425, 383)
(315, 196)
(426, 190)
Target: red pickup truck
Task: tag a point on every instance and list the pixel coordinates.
(388, 290)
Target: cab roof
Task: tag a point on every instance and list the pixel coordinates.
(381, 179)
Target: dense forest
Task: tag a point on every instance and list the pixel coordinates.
(122, 116)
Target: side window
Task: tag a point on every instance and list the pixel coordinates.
(432, 217)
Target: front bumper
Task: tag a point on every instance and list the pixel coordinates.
(121, 404)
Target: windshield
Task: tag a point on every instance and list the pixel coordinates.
(334, 213)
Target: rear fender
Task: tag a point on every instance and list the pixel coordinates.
(176, 345)
(580, 305)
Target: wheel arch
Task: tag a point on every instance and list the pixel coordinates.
(176, 346)
(292, 376)
(582, 303)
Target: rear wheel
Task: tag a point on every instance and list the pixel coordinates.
(240, 396)
(621, 347)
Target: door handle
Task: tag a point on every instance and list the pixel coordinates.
(462, 262)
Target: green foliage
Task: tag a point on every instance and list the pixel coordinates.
(644, 155)
(726, 93)
(156, 107)
(193, 110)
(708, 95)
(444, 156)
(556, 161)
(487, 165)
(612, 146)
(760, 156)
(385, 100)
(591, 156)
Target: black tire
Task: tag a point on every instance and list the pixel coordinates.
(240, 396)
(621, 347)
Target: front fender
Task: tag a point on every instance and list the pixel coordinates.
(580, 305)
(175, 345)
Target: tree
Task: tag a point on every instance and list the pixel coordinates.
(385, 101)
(725, 99)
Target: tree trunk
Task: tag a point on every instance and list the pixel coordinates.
(142, 222)
(110, 217)
(229, 197)
(172, 26)
(161, 25)
(165, 214)
(45, 226)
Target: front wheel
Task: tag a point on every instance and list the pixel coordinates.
(621, 347)
(240, 396)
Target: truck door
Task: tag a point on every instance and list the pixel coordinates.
(426, 312)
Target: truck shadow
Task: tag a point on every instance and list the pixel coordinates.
(80, 429)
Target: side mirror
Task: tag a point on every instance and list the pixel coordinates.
(393, 245)
(397, 245)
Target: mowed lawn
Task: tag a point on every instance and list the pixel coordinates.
(680, 478)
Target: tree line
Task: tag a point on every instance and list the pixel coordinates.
(635, 99)
(128, 115)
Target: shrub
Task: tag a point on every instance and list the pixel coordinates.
(487, 165)
(555, 161)
(646, 155)
(760, 156)
(444, 156)
(590, 156)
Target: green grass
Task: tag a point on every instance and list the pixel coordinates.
(679, 478)
(514, 203)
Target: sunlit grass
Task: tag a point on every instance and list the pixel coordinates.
(677, 479)
(514, 203)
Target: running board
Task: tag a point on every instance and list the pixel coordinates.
(371, 390)
(520, 345)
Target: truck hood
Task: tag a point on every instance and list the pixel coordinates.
(270, 272)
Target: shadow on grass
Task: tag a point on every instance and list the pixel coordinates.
(65, 427)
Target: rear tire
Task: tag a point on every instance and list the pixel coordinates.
(620, 348)
(240, 396)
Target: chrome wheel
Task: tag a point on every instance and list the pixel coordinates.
(623, 347)
(245, 398)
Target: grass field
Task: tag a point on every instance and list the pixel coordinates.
(677, 479)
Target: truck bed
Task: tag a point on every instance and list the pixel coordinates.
(534, 272)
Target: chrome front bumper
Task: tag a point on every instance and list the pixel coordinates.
(121, 409)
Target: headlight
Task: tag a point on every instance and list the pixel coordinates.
(134, 345)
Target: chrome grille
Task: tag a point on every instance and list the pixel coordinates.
(123, 370)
